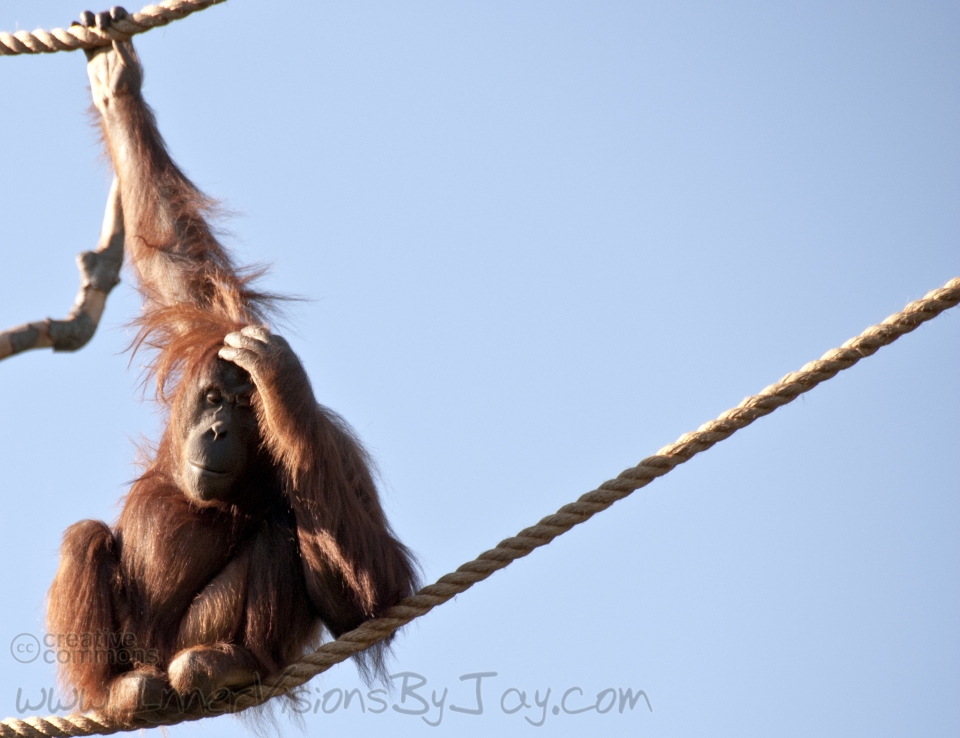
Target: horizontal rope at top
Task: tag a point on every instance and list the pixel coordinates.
(80, 37)
(448, 586)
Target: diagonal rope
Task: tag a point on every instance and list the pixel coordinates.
(79, 37)
(449, 585)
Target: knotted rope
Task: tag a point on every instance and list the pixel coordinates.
(685, 448)
(80, 37)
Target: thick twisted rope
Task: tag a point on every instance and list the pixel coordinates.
(685, 448)
(80, 37)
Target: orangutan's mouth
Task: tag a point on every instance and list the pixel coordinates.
(204, 470)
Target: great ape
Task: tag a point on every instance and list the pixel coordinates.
(257, 521)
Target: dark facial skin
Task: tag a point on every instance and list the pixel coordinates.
(221, 434)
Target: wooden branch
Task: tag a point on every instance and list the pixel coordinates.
(99, 273)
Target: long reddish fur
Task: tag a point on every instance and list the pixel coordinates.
(345, 565)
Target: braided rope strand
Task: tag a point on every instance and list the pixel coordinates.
(685, 448)
(80, 37)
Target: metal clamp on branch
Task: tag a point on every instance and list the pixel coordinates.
(99, 273)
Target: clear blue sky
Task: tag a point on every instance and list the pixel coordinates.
(541, 240)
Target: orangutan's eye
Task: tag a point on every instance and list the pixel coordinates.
(214, 397)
